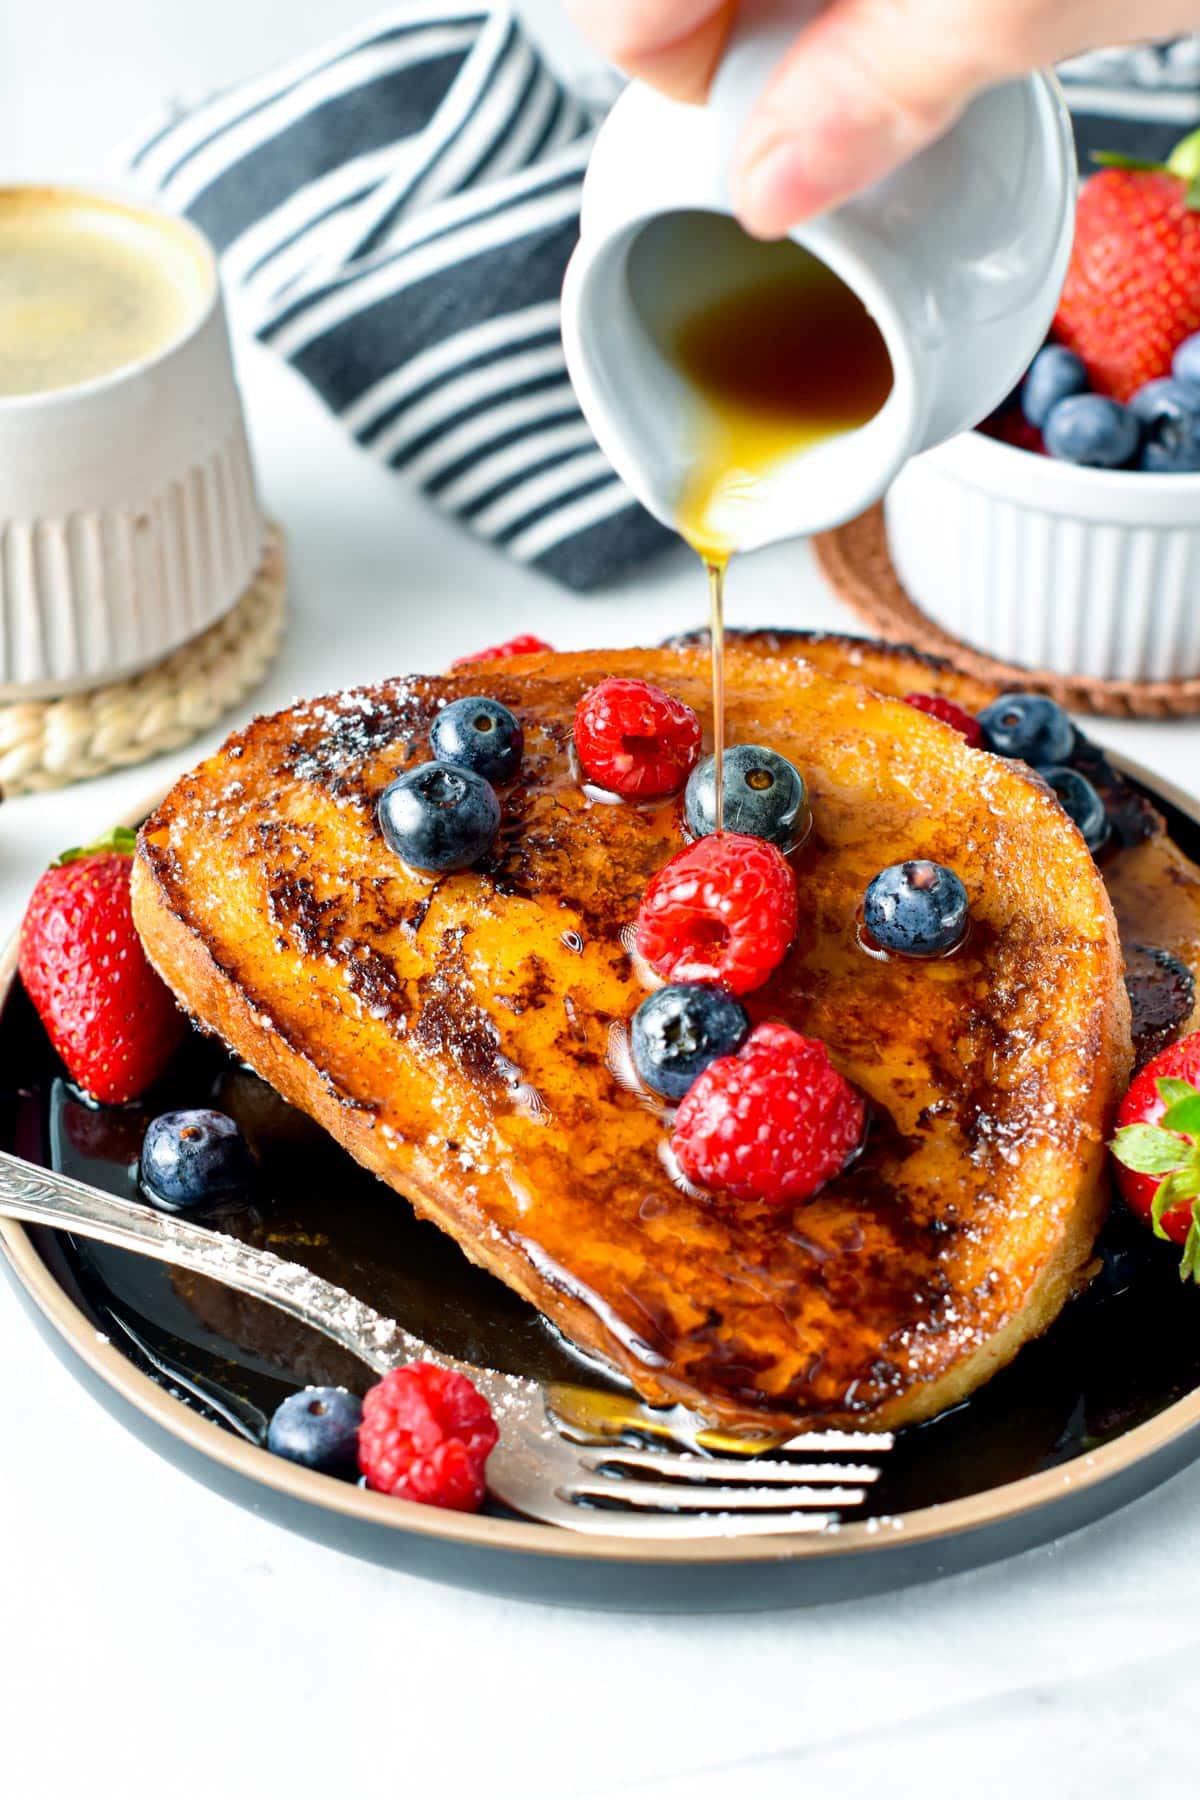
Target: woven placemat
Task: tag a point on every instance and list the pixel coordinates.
(856, 562)
(48, 743)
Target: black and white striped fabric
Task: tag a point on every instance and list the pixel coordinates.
(1139, 101)
(394, 215)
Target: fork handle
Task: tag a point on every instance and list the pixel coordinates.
(43, 1197)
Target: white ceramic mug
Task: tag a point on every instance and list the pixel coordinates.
(129, 514)
(959, 257)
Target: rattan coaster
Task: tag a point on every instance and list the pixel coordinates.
(858, 566)
(47, 743)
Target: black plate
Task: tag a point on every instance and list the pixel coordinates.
(1097, 1411)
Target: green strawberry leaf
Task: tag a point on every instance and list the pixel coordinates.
(1116, 159)
(1176, 1189)
(121, 840)
(1148, 1150)
(1189, 1262)
(1165, 1200)
(1183, 1116)
(1184, 162)
(1171, 1088)
(1184, 159)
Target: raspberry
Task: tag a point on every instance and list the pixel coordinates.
(426, 1434)
(723, 910)
(635, 740)
(950, 714)
(524, 645)
(774, 1123)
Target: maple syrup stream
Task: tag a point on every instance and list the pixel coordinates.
(779, 366)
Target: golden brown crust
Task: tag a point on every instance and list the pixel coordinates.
(455, 1036)
(1154, 887)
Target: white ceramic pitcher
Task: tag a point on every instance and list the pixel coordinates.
(959, 257)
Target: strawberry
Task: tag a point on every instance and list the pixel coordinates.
(1157, 1148)
(106, 1012)
(1132, 292)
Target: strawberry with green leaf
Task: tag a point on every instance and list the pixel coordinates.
(110, 1017)
(1132, 292)
(1157, 1148)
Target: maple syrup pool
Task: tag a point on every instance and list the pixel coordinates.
(1119, 1354)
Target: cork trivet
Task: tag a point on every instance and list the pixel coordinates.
(857, 564)
(48, 743)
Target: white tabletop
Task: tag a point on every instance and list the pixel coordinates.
(154, 1640)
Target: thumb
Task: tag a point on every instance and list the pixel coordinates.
(673, 44)
(866, 86)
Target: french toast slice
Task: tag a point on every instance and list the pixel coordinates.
(1153, 885)
(461, 1037)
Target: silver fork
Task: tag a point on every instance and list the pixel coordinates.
(540, 1468)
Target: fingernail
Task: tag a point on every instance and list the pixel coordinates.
(774, 189)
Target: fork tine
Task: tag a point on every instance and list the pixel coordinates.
(678, 1497)
(862, 1441)
(759, 1473)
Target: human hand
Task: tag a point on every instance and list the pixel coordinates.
(867, 83)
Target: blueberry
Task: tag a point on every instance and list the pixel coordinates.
(678, 1030)
(1029, 726)
(439, 817)
(1092, 430)
(318, 1427)
(1185, 365)
(479, 734)
(1170, 415)
(196, 1158)
(1080, 801)
(1054, 374)
(916, 909)
(765, 796)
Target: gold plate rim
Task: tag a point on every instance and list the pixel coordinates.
(948, 1519)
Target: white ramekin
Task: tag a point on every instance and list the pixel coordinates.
(1090, 572)
(129, 515)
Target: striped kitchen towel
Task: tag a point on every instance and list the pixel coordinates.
(394, 215)
(1139, 101)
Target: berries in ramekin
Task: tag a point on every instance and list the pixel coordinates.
(1132, 289)
(438, 817)
(635, 740)
(478, 734)
(680, 1029)
(957, 717)
(1092, 430)
(1169, 412)
(426, 1435)
(765, 796)
(1185, 364)
(723, 910)
(916, 909)
(1054, 374)
(773, 1123)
